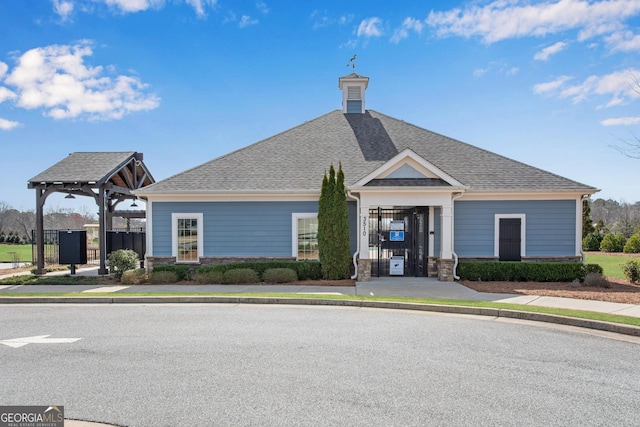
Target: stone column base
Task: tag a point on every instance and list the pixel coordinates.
(445, 270)
(364, 270)
(432, 266)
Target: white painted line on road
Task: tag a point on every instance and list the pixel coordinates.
(107, 289)
(5, 286)
(38, 339)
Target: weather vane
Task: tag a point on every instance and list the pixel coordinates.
(352, 62)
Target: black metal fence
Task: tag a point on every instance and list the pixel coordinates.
(52, 246)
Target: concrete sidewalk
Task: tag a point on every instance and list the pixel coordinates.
(418, 287)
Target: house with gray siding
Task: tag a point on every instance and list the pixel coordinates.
(418, 201)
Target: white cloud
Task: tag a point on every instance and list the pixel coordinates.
(246, 20)
(504, 19)
(56, 79)
(8, 124)
(543, 88)
(132, 6)
(370, 27)
(199, 6)
(621, 86)
(3, 69)
(63, 8)
(480, 72)
(409, 24)
(546, 53)
(321, 19)
(621, 121)
(262, 7)
(624, 41)
(6, 94)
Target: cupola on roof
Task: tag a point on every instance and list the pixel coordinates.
(353, 87)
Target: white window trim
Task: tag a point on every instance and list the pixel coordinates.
(294, 229)
(174, 234)
(523, 232)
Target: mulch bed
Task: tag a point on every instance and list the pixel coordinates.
(620, 291)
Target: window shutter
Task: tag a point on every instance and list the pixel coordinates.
(353, 92)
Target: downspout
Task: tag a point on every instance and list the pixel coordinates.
(357, 252)
(453, 226)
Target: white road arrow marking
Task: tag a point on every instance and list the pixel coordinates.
(38, 339)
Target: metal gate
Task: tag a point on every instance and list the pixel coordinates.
(123, 241)
(398, 241)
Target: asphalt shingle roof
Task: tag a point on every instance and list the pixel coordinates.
(296, 160)
(83, 167)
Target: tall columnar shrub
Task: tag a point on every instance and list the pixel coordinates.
(333, 226)
(587, 224)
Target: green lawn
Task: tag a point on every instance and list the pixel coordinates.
(23, 252)
(611, 263)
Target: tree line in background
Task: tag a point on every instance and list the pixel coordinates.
(16, 226)
(611, 226)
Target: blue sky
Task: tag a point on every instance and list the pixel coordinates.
(549, 83)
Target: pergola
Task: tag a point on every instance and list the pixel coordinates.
(108, 177)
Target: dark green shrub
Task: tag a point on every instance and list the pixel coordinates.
(306, 270)
(209, 277)
(633, 245)
(522, 271)
(163, 277)
(592, 268)
(631, 271)
(121, 261)
(591, 242)
(279, 275)
(241, 276)
(613, 243)
(181, 271)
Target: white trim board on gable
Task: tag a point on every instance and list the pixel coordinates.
(398, 165)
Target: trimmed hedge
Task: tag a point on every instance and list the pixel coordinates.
(279, 275)
(181, 271)
(525, 271)
(240, 276)
(306, 270)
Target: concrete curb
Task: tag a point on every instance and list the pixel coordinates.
(453, 309)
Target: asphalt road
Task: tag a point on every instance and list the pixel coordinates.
(242, 365)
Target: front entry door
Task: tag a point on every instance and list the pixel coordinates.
(398, 240)
(509, 239)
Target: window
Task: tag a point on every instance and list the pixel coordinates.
(186, 236)
(305, 236)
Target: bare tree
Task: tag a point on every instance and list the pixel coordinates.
(631, 147)
(4, 208)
